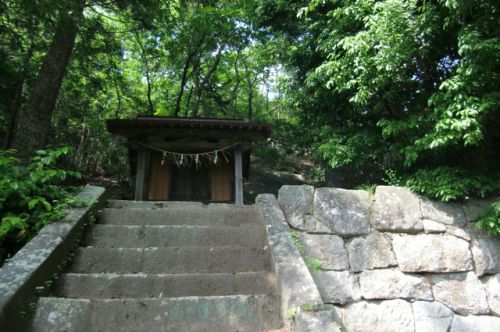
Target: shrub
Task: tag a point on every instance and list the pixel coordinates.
(490, 221)
(447, 183)
(31, 196)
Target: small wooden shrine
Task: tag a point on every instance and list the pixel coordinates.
(189, 159)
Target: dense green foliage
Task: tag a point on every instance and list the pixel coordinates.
(490, 222)
(170, 58)
(31, 196)
(399, 86)
(395, 91)
(447, 183)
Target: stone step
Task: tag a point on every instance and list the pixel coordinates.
(167, 260)
(173, 235)
(127, 204)
(214, 313)
(111, 285)
(223, 216)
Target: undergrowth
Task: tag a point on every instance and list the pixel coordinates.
(447, 183)
(490, 221)
(31, 196)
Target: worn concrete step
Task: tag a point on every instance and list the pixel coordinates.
(195, 314)
(112, 285)
(173, 235)
(224, 216)
(128, 204)
(217, 259)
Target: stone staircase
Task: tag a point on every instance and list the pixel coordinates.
(151, 267)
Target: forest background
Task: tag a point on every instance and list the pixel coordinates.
(400, 92)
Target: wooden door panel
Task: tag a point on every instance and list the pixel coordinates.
(221, 184)
(190, 184)
(160, 178)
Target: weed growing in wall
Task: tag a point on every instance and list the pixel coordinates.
(314, 265)
(296, 242)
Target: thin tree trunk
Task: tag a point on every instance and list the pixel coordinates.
(267, 99)
(188, 103)
(199, 88)
(119, 106)
(250, 97)
(196, 87)
(81, 146)
(250, 84)
(181, 88)
(17, 100)
(185, 75)
(147, 72)
(234, 92)
(35, 119)
(14, 108)
(116, 83)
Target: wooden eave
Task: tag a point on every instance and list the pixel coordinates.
(205, 128)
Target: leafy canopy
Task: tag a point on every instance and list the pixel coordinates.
(402, 86)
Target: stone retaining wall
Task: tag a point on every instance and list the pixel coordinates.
(394, 261)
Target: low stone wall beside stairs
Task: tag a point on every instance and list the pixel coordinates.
(42, 258)
(395, 261)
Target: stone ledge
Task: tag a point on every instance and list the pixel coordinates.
(161, 205)
(36, 262)
(296, 286)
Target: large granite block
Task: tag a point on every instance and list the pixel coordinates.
(462, 292)
(329, 249)
(296, 203)
(432, 253)
(347, 211)
(396, 209)
(392, 284)
(371, 252)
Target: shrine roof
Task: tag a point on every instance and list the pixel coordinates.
(176, 127)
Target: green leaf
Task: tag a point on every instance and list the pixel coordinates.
(32, 203)
(47, 205)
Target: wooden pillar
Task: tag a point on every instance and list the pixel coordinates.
(140, 177)
(238, 176)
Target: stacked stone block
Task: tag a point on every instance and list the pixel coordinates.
(395, 261)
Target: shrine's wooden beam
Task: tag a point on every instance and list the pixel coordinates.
(238, 176)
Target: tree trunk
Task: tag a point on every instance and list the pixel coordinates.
(119, 96)
(147, 71)
(250, 106)
(267, 99)
(188, 103)
(234, 92)
(199, 88)
(185, 74)
(17, 99)
(183, 84)
(196, 88)
(14, 108)
(35, 119)
(250, 84)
